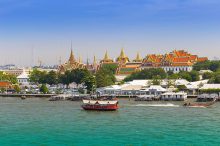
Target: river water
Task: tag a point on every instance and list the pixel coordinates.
(39, 122)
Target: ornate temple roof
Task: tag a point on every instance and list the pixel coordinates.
(138, 58)
(122, 58)
(106, 59)
(72, 58)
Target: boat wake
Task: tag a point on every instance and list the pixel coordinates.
(157, 105)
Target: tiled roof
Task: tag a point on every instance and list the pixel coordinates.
(202, 59)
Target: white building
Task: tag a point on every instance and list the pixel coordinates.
(179, 96)
(23, 78)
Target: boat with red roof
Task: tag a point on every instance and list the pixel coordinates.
(100, 105)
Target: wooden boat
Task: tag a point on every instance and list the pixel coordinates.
(100, 105)
(199, 104)
(23, 97)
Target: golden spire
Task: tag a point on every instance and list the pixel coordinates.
(71, 59)
(122, 55)
(106, 56)
(80, 59)
(138, 58)
(94, 61)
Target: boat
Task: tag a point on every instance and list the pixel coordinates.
(100, 105)
(23, 97)
(199, 104)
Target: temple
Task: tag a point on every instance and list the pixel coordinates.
(106, 59)
(71, 64)
(175, 61)
(125, 67)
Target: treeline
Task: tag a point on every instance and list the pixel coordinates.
(8, 77)
(214, 66)
(159, 73)
(78, 76)
(207, 65)
(103, 77)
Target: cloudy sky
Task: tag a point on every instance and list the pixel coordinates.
(32, 30)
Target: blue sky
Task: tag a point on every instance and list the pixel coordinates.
(43, 29)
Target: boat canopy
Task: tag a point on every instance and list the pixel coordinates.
(99, 102)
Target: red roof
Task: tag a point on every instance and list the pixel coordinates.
(5, 84)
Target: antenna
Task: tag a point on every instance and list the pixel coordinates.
(60, 61)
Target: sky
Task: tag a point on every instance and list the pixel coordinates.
(33, 30)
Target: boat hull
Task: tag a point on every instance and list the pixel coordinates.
(101, 107)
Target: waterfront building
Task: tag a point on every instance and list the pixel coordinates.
(179, 96)
(23, 79)
(71, 64)
(176, 61)
(16, 72)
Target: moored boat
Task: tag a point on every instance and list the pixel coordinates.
(100, 105)
(199, 104)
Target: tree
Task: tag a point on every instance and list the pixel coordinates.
(156, 80)
(185, 75)
(173, 76)
(90, 83)
(181, 87)
(147, 74)
(78, 75)
(17, 88)
(65, 78)
(35, 76)
(194, 75)
(51, 78)
(104, 77)
(207, 75)
(8, 77)
(207, 65)
(44, 89)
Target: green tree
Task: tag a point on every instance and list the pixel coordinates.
(90, 83)
(110, 67)
(147, 74)
(65, 78)
(17, 88)
(8, 77)
(104, 77)
(185, 75)
(207, 65)
(35, 76)
(44, 89)
(194, 75)
(51, 78)
(207, 75)
(173, 76)
(156, 80)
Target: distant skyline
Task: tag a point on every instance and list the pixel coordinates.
(43, 29)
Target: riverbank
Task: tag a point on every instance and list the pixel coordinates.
(28, 95)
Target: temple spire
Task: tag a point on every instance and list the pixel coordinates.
(94, 61)
(71, 59)
(122, 54)
(80, 59)
(138, 58)
(106, 56)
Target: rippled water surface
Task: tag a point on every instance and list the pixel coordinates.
(38, 122)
